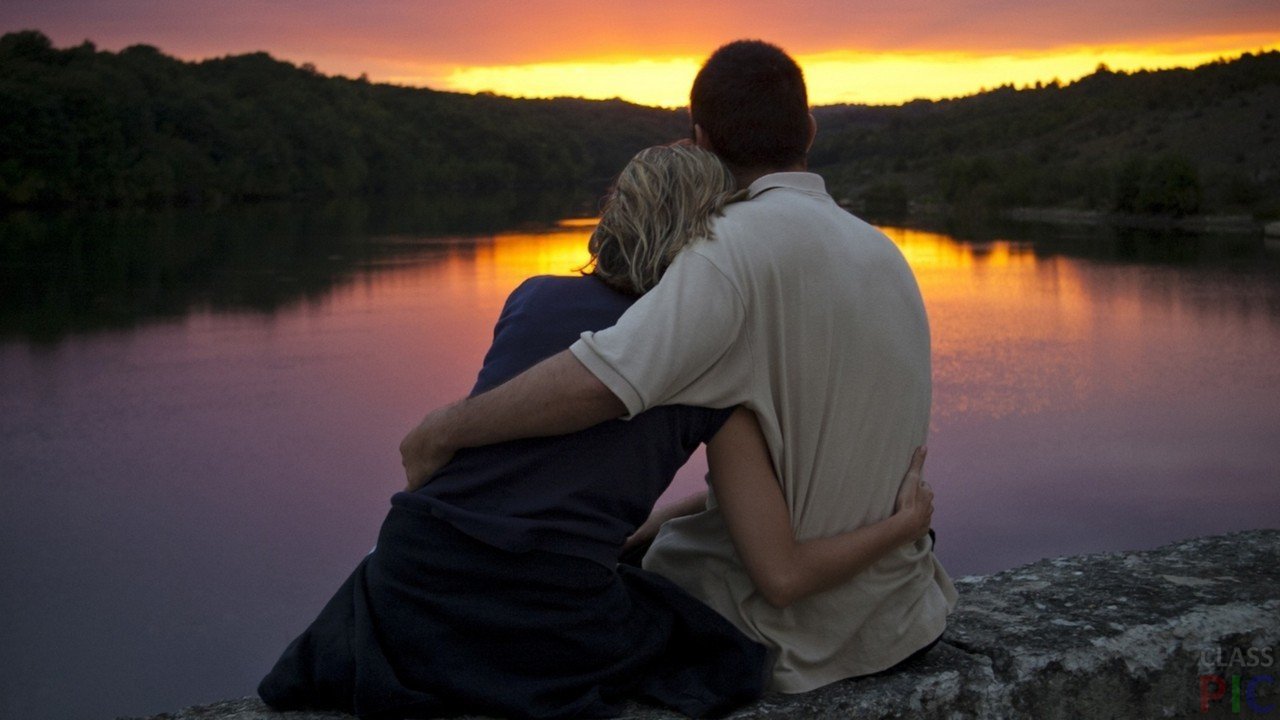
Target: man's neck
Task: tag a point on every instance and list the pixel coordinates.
(746, 177)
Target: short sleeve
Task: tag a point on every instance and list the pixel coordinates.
(675, 344)
(512, 339)
(542, 317)
(714, 419)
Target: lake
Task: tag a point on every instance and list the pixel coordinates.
(201, 413)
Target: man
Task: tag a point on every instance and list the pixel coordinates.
(803, 314)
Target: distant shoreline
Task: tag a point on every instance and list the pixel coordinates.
(1229, 224)
(927, 215)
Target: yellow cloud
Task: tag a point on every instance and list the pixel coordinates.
(836, 77)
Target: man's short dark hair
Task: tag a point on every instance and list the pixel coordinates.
(750, 100)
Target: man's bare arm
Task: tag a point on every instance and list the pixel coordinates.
(556, 396)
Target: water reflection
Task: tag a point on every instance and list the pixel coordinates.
(83, 271)
(180, 494)
(1103, 403)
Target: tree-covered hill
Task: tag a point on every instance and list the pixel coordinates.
(1171, 142)
(85, 127)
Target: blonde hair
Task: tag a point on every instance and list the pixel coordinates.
(664, 199)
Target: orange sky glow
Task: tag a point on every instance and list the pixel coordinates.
(833, 77)
(852, 51)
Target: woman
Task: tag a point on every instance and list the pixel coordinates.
(495, 589)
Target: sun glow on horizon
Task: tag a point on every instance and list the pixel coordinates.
(659, 83)
(876, 78)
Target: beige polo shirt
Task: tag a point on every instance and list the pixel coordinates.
(811, 318)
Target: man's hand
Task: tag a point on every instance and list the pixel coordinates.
(421, 451)
(558, 395)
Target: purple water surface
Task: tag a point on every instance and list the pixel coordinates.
(179, 497)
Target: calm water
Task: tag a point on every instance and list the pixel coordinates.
(201, 415)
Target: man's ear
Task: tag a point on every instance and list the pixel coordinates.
(700, 138)
(813, 132)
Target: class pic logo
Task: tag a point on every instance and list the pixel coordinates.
(1241, 688)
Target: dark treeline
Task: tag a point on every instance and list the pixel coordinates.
(1169, 142)
(82, 127)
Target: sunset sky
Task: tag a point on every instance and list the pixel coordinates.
(648, 52)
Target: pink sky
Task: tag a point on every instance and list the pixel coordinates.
(424, 41)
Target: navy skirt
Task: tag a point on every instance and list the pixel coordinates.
(435, 623)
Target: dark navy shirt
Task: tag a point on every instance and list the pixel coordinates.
(580, 494)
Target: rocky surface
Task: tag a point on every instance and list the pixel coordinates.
(1115, 635)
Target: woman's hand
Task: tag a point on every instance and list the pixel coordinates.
(915, 498)
(694, 503)
(646, 532)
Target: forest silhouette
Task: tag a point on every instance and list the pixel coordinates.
(90, 128)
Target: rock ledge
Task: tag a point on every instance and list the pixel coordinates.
(1124, 634)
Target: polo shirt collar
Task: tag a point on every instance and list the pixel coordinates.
(803, 181)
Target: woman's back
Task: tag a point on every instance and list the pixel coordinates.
(580, 494)
(494, 587)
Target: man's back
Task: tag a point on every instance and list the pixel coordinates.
(831, 351)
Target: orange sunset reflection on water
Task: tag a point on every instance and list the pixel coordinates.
(1010, 328)
(1086, 397)
(1040, 359)
(989, 304)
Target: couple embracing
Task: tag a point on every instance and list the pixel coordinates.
(729, 302)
